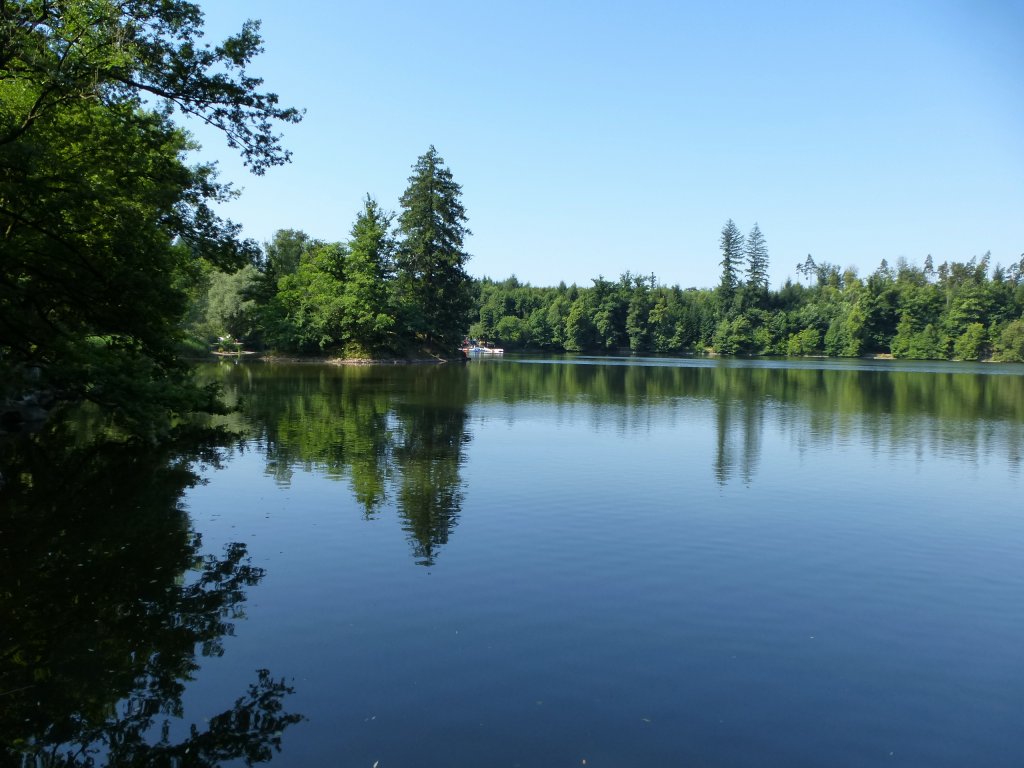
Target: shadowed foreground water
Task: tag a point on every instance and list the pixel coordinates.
(540, 562)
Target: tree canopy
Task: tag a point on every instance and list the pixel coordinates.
(393, 289)
(103, 220)
(960, 310)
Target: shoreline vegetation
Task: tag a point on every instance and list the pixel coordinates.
(396, 290)
(273, 357)
(108, 214)
(959, 311)
(295, 302)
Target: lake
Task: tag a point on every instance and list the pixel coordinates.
(533, 562)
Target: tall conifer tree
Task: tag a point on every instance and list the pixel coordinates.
(433, 285)
(731, 243)
(757, 261)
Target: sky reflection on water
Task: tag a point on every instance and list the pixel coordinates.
(524, 562)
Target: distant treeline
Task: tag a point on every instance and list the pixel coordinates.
(366, 295)
(963, 311)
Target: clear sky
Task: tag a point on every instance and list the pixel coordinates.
(595, 137)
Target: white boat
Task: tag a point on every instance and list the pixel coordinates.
(478, 350)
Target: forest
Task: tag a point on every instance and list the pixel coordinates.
(969, 310)
(961, 310)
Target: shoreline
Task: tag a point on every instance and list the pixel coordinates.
(271, 358)
(328, 360)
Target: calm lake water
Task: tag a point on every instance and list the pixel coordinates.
(530, 562)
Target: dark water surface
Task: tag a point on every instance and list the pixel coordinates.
(530, 562)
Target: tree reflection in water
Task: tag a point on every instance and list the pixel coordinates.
(397, 435)
(428, 456)
(106, 600)
(814, 404)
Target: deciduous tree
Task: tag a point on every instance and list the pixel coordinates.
(368, 269)
(96, 190)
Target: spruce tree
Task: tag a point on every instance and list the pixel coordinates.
(433, 286)
(757, 261)
(731, 243)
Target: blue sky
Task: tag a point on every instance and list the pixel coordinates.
(594, 137)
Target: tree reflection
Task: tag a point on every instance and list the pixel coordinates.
(966, 412)
(396, 435)
(963, 414)
(106, 600)
(428, 457)
(739, 408)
